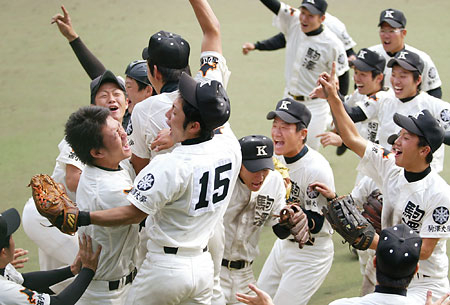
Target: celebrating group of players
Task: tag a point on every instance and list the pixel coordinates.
(172, 205)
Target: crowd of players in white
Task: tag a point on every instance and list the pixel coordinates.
(190, 209)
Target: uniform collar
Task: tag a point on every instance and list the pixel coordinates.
(170, 86)
(316, 31)
(390, 290)
(197, 140)
(298, 156)
(109, 169)
(393, 54)
(2, 271)
(413, 177)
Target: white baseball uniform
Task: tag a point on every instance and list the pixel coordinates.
(423, 205)
(244, 219)
(56, 250)
(13, 293)
(376, 298)
(291, 275)
(102, 189)
(306, 58)
(185, 193)
(339, 29)
(386, 107)
(430, 75)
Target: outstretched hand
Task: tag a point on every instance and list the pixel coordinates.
(64, 24)
(323, 189)
(162, 141)
(441, 301)
(89, 259)
(329, 138)
(17, 261)
(261, 298)
(328, 82)
(247, 47)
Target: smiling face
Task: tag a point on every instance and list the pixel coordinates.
(403, 82)
(286, 139)
(175, 119)
(407, 152)
(110, 96)
(392, 39)
(366, 83)
(309, 22)
(255, 180)
(115, 145)
(134, 94)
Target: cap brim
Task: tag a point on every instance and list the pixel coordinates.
(12, 218)
(258, 164)
(362, 66)
(407, 123)
(402, 64)
(282, 115)
(188, 89)
(391, 22)
(391, 139)
(145, 53)
(312, 9)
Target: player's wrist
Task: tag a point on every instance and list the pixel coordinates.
(84, 219)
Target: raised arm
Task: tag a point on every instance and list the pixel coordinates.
(88, 61)
(210, 26)
(344, 124)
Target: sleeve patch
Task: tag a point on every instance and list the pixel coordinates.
(146, 182)
(440, 215)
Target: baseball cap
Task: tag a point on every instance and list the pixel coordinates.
(137, 70)
(368, 60)
(393, 17)
(422, 124)
(9, 223)
(106, 77)
(398, 251)
(315, 7)
(257, 152)
(167, 50)
(291, 111)
(407, 60)
(208, 97)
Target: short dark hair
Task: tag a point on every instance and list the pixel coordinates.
(422, 143)
(416, 75)
(83, 131)
(375, 73)
(168, 74)
(300, 126)
(385, 280)
(5, 243)
(193, 115)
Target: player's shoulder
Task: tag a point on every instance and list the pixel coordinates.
(274, 180)
(288, 11)
(379, 49)
(424, 56)
(154, 102)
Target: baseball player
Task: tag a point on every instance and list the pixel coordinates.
(413, 193)
(392, 35)
(257, 199)
(137, 85)
(310, 49)
(291, 275)
(369, 81)
(202, 170)
(279, 41)
(101, 143)
(406, 79)
(33, 287)
(56, 249)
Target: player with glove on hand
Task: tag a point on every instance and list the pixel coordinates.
(413, 193)
(258, 198)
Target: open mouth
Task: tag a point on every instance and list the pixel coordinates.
(278, 144)
(113, 108)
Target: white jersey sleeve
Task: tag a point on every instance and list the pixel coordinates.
(339, 29)
(213, 66)
(287, 17)
(362, 190)
(370, 105)
(377, 163)
(13, 293)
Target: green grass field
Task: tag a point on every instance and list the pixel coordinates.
(42, 82)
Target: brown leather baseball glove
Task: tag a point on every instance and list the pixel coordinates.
(53, 203)
(372, 209)
(293, 217)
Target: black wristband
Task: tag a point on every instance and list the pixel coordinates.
(84, 219)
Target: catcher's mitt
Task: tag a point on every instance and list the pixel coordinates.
(293, 217)
(372, 209)
(345, 218)
(53, 203)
